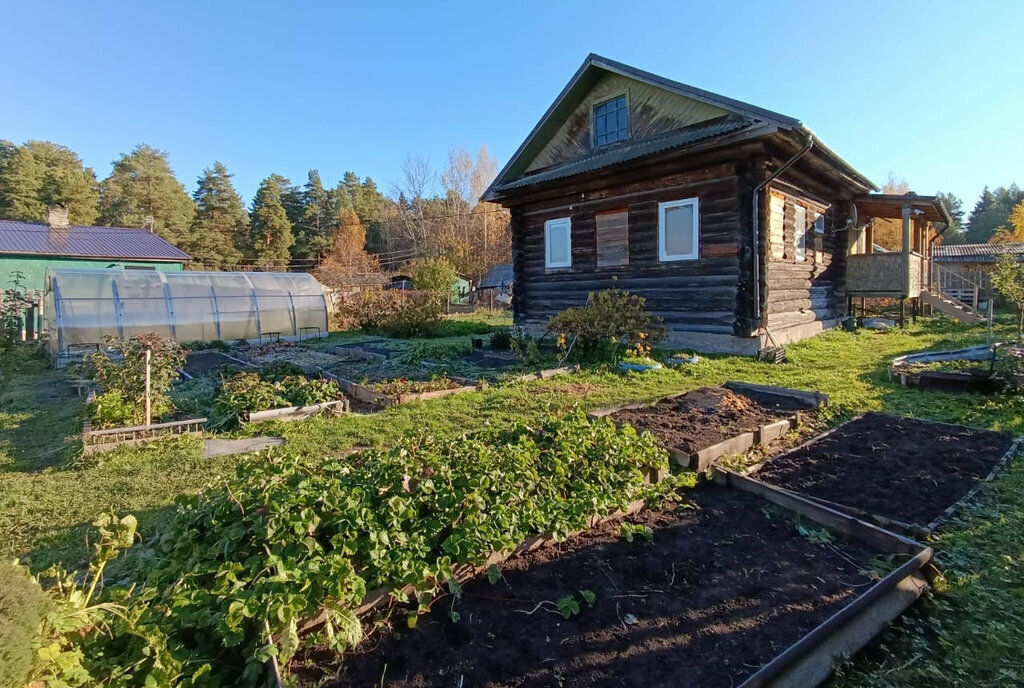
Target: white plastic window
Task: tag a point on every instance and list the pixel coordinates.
(558, 243)
(678, 230)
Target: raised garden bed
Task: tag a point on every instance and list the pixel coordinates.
(199, 363)
(962, 370)
(704, 424)
(730, 592)
(289, 413)
(903, 472)
(403, 391)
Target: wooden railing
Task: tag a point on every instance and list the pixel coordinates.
(956, 285)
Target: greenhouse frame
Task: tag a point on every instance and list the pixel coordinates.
(81, 307)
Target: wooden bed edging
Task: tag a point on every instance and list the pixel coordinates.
(381, 597)
(812, 400)
(545, 374)
(367, 395)
(289, 413)
(912, 529)
(808, 662)
(701, 460)
(98, 441)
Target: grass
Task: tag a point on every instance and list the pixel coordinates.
(47, 496)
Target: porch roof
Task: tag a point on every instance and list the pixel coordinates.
(891, 206)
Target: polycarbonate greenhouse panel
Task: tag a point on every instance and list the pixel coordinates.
(84, 306)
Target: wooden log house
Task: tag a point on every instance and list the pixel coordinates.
(730, 219)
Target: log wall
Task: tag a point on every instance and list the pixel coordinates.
(812, 289)
(691, 296)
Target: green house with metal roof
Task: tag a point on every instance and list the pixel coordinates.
(30, 248)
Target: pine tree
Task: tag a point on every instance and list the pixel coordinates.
(955, 232)
(312, 232)
(39, 174)
(220, 228)
(142, 190)
(992, 212)
(270, 229)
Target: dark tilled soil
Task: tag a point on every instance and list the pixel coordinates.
(723, 588)
(901, 468)
(206, 363)
(705, 417)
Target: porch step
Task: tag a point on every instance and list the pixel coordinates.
(954, 308)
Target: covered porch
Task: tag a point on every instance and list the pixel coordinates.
(891, 243)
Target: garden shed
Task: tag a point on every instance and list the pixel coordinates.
(82, 306)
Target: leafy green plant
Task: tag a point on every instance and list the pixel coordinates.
(568, 606)
(75, 613)
(23, 606)
(112, 410)
(276, 371)
(612, 322)
(240, 569)
(436, 351)
(206, 345)
(1008, 370)
(630, 531)
(125, 372)
(399, 386)
(248, 391)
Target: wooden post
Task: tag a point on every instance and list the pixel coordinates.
(149, 403)
(903, 313)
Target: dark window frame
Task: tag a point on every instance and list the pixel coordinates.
(601, 135)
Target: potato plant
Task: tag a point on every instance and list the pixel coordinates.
(241, 568)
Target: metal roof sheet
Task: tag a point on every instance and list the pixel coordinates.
(630, 150)
(499, 276)
(976, 253)
(80, 241)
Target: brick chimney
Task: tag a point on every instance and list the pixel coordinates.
(57, 217)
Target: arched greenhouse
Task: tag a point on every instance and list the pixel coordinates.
(82, 306)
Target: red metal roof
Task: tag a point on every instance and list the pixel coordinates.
(79, 241)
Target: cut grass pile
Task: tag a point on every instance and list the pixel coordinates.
(47, 496)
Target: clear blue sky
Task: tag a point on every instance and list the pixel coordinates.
(930, 91)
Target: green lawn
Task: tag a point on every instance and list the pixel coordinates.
(967, 635)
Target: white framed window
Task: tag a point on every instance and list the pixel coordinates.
(678, 230)
(558, 243)
(800, 233)
(819, 223)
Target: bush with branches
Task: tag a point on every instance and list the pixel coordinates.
(395, 313)
(434, 275)
(612, 324)
(123, 378)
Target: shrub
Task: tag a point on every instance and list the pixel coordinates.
(127, 373)
(433, 275)
(612, 322)
(23, 606)
(395, 313)
(1008, 370)
(275, 371)
(501, 339)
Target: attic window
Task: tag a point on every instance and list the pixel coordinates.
(611, 121)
